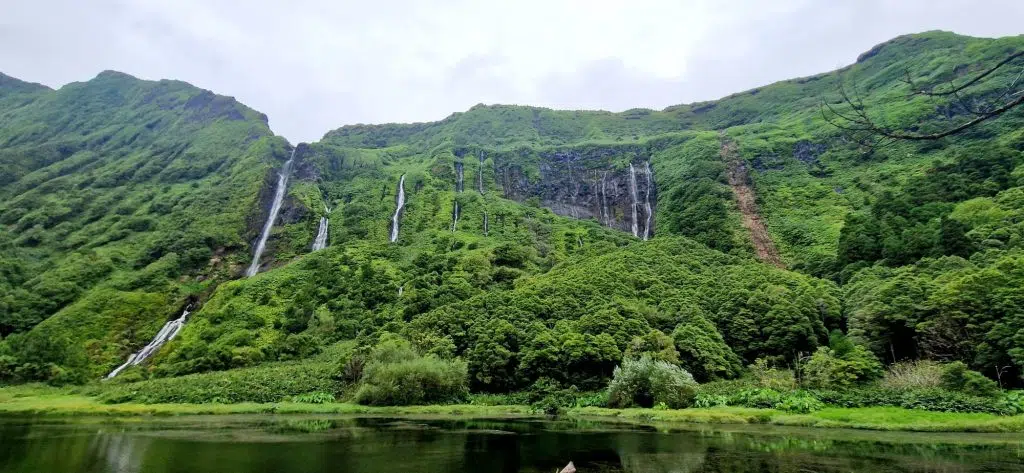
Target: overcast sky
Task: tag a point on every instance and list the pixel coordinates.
(314, 65)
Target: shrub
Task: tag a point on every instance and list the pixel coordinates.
(919, 374)
(646, 382)
(762, 398)
(828, 368)
(771, 377)
(422, 380)
(318, 397)
(547, 396)
(710, 400)
(800, 402)
(957, 377)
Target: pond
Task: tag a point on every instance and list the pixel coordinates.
(285, 444)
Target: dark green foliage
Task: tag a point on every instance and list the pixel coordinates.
(646, 382)
(956, 377)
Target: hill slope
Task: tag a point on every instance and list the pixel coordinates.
(521, 241)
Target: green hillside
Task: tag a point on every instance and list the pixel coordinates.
(709, 235)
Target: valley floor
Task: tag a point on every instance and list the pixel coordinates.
(29, 400)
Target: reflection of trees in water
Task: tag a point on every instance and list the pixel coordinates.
(122, 453)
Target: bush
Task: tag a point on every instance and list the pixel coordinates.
(919, 374)
(834, 369)
(771, 377)
(646, 382)
(957, 377)
(424, 380)
(800, 402)
(318, 397)
(393, 374)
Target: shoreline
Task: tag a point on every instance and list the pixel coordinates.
(865, 418)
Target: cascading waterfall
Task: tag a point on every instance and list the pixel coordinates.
(485, 223)
(480, 174)
(647, 201)
(321, 234)
(604, 200)
(282, 186)
(166, 334)
(398, 209)
(455, 216)
(458, 189)
(636, 203)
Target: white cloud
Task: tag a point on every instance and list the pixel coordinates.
(313, 65)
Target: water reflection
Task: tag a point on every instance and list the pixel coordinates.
(315, 444)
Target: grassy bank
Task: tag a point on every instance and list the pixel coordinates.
(39, 400)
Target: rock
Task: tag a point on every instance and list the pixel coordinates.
(570, 468)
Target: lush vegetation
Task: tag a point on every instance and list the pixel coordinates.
(125, 201)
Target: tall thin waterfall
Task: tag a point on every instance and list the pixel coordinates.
(605, 215)
(636, 203)
(282, 187)
(458, 189)
(647, 201)
(400, 203)
(485, 223)
(166, 334)
(480, 174)
(321, 234)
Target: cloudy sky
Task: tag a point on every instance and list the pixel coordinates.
(314, 65)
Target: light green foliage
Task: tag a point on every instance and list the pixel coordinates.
(395, 375)
(646, 382)
(829, 368)
(918, 374)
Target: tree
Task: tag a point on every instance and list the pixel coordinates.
(972, 97)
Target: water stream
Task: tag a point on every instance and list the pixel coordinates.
(636, 200)
(166, 334)
(275, 208)
(647, 201)
(400, 203)
(321, 233)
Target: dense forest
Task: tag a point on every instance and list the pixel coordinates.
(745, 240)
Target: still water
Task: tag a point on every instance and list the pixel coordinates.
(250, 444)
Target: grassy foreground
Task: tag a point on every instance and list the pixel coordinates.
(40, 400)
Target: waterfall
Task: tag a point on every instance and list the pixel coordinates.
(480, 174)
(282, 187)
(458, 188)
(401, 289)
(632, 189)
(458, 177)
(398, 209)
(321, 234)
(166, 334)
(604, 200)
(455, 215)
(647, 202)
(485, 223)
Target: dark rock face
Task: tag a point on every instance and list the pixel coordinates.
(586, 185)
(808, 152)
